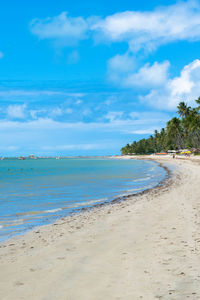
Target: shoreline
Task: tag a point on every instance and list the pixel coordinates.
(119, 251)
(117, 199)
(161, 184)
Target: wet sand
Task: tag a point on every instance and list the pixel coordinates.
(147, 247)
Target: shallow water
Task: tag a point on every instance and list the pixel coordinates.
(36, 192)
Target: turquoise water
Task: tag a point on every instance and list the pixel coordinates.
(36, 192)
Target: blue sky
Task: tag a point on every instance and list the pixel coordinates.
(87, 77)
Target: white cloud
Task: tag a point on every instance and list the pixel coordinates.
(185, 87)
(116, 124)
(147, 76)
(34, 113)
(121, 63)
(16, 111)
(114, 115)
(144, 131)
(139, 29)
(56, 112)
(36, 93)
(150, 116)
(150, 29)
(163, 92)
(45, 135)
(66, 30)
(49, 112)
(188, 79)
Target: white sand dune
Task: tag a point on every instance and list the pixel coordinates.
(147, 247)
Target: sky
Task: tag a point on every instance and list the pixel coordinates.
(88, 77)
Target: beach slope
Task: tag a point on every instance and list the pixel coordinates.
(147, 247)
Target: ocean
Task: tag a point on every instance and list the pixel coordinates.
(37, 192)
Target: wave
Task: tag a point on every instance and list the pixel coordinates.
(90, 202)
(142, 179)
(53, 210)
(13, 223)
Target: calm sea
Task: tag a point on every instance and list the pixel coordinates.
(36, 192)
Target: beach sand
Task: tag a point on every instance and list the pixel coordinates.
(147, 247)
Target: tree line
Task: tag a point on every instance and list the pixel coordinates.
(181, 132)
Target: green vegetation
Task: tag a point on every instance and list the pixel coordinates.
(180, 133)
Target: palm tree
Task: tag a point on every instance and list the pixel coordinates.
(183, 109)
(175, 132)
(198, 102)
(193, 127)
(179, 133)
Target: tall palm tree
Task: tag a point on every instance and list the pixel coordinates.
(193, 127)
(183, 109)
(175, 132)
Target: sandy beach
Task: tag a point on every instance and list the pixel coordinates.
(147, 247)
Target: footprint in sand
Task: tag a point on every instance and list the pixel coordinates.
(18, 283)
(182, 273)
